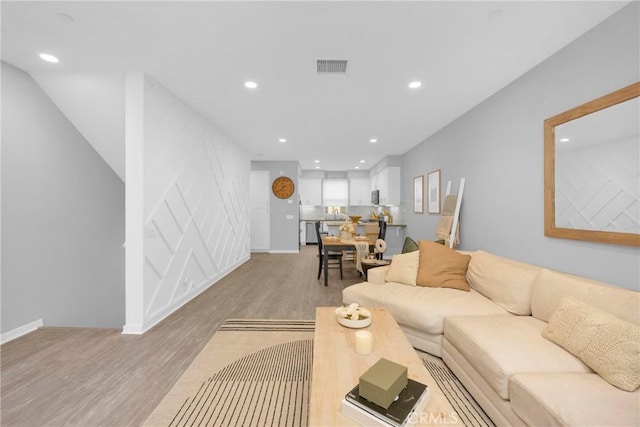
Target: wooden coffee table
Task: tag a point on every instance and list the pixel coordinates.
(337, 368)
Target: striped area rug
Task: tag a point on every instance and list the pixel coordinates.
(467, 409)
(251, 373)
(258, 372)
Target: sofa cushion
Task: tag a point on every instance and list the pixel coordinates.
(378, 275)
(441, 267)
(550, 286)
(404, 268)
(608, 345)
(571, 399)
(420, 308)
(501, 346)
(508, 283)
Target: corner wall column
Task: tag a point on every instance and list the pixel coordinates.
(134, 202)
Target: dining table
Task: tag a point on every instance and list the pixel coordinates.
(336, 243)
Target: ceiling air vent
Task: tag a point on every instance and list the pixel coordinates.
(332, 66)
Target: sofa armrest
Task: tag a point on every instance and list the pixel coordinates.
(377, 275)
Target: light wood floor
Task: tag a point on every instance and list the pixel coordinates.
(90, 377)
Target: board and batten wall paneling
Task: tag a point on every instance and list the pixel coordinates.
(196, 204)
(498, 147)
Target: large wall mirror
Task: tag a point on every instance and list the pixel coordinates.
(592, 170)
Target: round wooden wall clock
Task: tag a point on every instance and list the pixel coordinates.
(283, 187)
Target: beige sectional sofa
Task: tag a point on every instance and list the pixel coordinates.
(502, 338)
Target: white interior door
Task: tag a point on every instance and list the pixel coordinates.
(260, 221)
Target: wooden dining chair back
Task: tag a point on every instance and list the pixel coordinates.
(334, 259)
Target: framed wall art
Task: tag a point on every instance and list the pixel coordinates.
(418, 194)
(433, 192)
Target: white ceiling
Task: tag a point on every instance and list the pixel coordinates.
(463, 52)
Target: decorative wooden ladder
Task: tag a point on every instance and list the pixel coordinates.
(456, 213)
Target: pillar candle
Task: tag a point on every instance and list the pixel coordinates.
(364, 342)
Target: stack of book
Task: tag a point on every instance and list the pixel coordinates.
(402, 412)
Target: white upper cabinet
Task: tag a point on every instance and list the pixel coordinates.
(359, 192)
(335, 192)
(388, 182)
(310, 191)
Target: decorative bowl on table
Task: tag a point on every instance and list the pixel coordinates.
(353, 316)
(355, 218)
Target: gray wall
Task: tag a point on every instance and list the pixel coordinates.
(498, 147)
(62, 217)
(284, 232)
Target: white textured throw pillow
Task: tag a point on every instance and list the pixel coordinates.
(404, 268)
(608, 345)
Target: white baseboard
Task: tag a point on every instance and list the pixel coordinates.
(132, 330)
(285, 252)
(20, 331)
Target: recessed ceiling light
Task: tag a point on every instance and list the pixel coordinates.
(317, 167)
(316, 161)
(564, 140)
(373, 140)
(282, 140)
(49, 58)
(250, 84)
(357, 167)
(361, 161)
(415, 85)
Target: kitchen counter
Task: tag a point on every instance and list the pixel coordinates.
(338, 222)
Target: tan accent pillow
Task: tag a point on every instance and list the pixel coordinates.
(608, 345)
(441, 267)
(404, 268)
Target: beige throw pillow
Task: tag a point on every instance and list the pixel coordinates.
(441, 267)
(506, 282)
(404, 268)
(608, 345)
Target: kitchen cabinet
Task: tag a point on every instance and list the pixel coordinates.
(388, 182)
(373, 181)
(359, 192)
(310, 191)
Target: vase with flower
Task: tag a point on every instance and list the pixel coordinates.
(346, 230)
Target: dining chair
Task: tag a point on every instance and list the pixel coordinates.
(372, 231)
(334, 259)
(382, 225)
